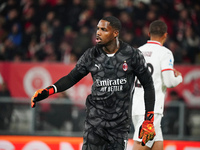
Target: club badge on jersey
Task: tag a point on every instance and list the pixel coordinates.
(125, 66)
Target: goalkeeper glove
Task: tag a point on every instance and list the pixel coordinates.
(147, 131)
(41, 94)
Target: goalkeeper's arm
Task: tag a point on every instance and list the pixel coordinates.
(149, 92)
(147, 131)
(61, 85)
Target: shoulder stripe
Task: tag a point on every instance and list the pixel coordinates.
(167, 69)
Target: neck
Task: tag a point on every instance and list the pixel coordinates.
(158, 39)
(112, 47)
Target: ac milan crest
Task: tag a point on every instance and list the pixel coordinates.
(125, 66)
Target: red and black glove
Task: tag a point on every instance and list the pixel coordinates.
(41, 94)
(147, 131)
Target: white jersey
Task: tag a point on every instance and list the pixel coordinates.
(158, 59)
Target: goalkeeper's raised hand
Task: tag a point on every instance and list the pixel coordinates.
(41, 94)
(147, 131)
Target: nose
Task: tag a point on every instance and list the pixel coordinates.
(98, 32)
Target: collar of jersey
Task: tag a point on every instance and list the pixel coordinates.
(154, 42)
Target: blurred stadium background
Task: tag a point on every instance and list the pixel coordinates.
(41, 40)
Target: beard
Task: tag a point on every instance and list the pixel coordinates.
(100, 45)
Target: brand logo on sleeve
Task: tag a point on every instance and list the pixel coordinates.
(170, 63)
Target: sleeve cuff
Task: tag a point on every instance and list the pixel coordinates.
(55, 88)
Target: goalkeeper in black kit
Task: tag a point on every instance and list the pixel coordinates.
(113, 65)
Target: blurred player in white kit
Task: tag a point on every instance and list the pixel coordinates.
(160, 62)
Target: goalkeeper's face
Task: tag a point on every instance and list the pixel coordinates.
(105, 33)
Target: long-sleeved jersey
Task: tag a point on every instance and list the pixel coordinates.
(109, 104)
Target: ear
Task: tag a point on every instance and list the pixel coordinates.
(116, 33)
(165, 35)
(149, 34)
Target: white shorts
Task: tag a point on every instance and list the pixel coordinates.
(137, 122)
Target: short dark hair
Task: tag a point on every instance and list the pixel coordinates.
(158, 28)
(114, 22)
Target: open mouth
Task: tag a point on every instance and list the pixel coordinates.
(98, 39)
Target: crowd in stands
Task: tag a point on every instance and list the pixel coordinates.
(61, 30)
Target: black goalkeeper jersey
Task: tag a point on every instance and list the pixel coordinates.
(113, 84)
(108, 106)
